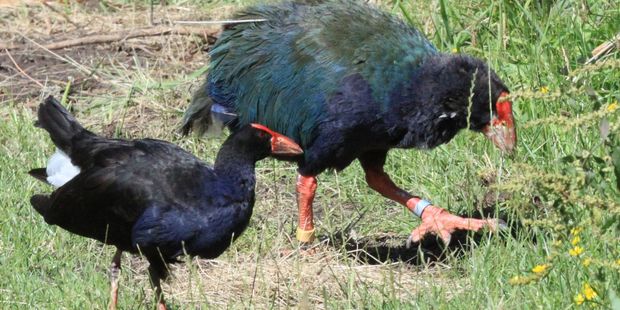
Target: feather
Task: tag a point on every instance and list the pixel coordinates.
(60, 170)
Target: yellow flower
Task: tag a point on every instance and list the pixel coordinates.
(586, 262)
(579, 299)
(618, 262)
(575, 251)
(454, 50)
(589, 292)
(575, 240)
(541, 268)
(544, 89)
(575, 231)
(612, 107)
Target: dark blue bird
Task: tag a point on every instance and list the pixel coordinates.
(347, 81)
(149, 196)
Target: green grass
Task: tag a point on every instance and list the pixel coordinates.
(532, 45)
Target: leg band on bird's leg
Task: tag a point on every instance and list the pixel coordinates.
(115, 269)
(420, 206)
(306, 188)
(380, 181)
(434, 219)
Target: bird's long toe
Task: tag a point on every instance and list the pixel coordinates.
(441, 223)
(477, 224)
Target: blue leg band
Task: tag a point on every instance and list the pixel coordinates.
(420, 206)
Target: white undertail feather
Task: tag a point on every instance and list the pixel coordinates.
(60, 170)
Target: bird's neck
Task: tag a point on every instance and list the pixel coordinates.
(426, 130)
(237, 167)
(421, 119)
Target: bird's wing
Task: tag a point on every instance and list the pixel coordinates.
(121, 181)
(175, 230)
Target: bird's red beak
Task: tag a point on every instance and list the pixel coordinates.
(501, 130)
(281, 144)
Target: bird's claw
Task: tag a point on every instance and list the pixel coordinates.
(441, 223)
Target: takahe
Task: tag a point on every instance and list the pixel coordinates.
(149, 196)
(347, 81)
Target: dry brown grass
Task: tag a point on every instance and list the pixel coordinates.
(108, 69)
(295, 280)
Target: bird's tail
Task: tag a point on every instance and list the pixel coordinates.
(205, 116)
(59, 123)
(41, 203)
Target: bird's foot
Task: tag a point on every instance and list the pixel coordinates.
(442, 223)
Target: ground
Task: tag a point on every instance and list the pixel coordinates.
(559, 193)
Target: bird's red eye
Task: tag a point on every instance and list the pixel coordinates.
(262, 134)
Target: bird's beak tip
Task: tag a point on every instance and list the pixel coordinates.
(282, 145)
(501, 129)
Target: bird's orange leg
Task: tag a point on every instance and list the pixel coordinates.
(115, 270)
(435, 220)
(306, 188)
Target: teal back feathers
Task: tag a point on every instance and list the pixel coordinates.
(283, 72)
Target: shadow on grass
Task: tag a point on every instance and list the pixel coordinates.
(389, 248)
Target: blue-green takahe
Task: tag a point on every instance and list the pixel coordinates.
(347, 81)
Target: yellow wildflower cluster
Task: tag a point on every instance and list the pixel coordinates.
(538, 269)
(587, 293)
(612, 107)
(538, 272)
(544, 89)
(576, 250)
(579, 299)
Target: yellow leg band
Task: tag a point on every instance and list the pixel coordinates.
(305, 235)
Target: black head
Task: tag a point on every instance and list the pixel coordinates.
(466, 93)
(261, 142)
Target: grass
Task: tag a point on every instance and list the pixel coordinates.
(562, 176)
